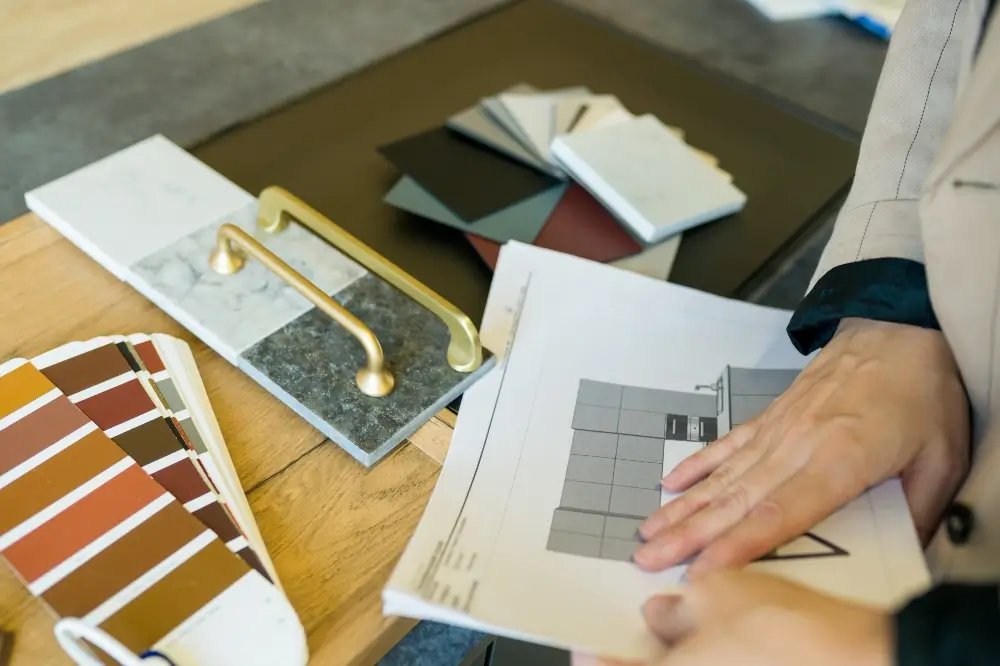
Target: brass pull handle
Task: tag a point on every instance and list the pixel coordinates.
(276, 205)
(232, 244)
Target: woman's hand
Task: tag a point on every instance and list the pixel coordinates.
(752, 619)
(879, 400)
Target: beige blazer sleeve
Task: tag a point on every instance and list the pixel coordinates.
(908, 118)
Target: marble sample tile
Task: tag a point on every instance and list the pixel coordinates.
(232, 312)
(652, 181)
(136, 202)
(311, 363)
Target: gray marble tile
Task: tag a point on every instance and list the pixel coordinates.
(232, 312)
(311, 363)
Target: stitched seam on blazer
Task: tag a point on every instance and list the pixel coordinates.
(867, 224)
(875, 201)
(927, 98)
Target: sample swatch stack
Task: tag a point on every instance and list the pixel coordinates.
(122, 511)
(566, 170)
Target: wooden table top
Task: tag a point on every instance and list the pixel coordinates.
(333, 529)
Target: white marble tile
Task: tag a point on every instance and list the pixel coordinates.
(232, 312)
(136, 202)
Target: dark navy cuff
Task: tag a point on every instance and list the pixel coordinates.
(951, 625)
(885, 289)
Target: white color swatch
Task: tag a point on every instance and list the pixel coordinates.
(534, 114)
(478, 557)
(652, 181)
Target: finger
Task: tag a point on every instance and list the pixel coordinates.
(682, 540)
(583, 659)
(930, 484)
(696, 467)
(702, 494)
(806, 498)
(669, 618)
(580, 659)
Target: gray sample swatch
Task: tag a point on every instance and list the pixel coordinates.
(521, 222)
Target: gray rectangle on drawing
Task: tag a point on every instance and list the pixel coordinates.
(586, 496)
(638, 474)
(617, 527)
(591, 417)
(742, 408)
(587, 443)
(753, 381)
(600, 394)
(637, 502)
(574, 544)
(669, 402)
(591, 469)
(643, 449)
(578, 522)
(645, 424)
(617, 549)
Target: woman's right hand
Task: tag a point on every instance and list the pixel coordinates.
(879, 400)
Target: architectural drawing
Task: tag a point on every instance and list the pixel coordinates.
(626, 438)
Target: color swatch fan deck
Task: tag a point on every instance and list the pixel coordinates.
(120, 508)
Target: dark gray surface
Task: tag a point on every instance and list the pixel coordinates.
(195, 83)
(828, 66)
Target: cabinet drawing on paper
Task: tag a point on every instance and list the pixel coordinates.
(626, 438)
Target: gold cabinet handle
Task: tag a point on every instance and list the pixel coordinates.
(276, 205)
(229, 256)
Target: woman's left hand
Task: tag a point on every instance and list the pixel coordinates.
(752, 619)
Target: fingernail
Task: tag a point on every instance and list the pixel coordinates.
(649, 527)
(660, 605)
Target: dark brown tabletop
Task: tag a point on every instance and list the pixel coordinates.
(323, 147)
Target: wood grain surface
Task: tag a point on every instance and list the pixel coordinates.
(334, 529)
(42, 38)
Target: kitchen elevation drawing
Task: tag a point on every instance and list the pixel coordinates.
(626, 438)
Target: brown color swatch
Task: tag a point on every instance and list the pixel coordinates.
(38, 431)
(117, 405)
(88, 369)
(150, 358)
(579, 226)
(149, 442)
(124, 561)
(183, 480)
(488, 251)
(178, 596)
(55, 478)
(72, 529)
(582, 227)
(250, 557)
(20, 387)
(215, 517)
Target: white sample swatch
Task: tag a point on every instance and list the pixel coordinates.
(653, 181)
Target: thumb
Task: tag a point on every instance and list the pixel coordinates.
(669, 617)
(930, 484)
